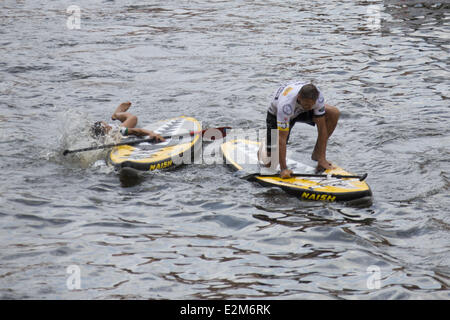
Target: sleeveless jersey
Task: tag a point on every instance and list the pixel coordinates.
(285, 107)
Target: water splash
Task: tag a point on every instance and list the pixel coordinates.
(74, 129)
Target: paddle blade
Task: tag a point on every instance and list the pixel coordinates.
(212, 134)
(363, 177)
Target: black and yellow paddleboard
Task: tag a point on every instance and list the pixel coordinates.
(241, 155)
(155, 156)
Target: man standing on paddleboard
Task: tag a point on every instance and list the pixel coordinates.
(297, 102)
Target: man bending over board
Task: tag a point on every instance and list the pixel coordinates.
(127, 126)
(298, 102)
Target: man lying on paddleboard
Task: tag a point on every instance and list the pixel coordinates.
(127, 126)
(298, 102)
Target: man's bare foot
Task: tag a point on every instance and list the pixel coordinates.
(263, 158)
(324, 165)
(266, 165)
(123, 107)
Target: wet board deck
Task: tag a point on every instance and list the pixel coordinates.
(155, 156)
(241, 155)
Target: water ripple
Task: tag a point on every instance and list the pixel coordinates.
(199, 232)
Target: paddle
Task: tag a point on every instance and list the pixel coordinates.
(223, 131)
(339, 176)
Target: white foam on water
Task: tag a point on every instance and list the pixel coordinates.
(74, 128)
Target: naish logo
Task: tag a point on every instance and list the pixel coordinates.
(318, 197)
(161, 165)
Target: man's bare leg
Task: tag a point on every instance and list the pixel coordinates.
(266, 158)
(128, 120)
(263, 155)
(123, 107)
(331, 118)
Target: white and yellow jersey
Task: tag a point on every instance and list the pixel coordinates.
(285, 107)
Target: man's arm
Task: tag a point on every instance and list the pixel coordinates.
(143, 132)
(282, 141)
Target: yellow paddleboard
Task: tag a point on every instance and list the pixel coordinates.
(155, 156)
(241, 155)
